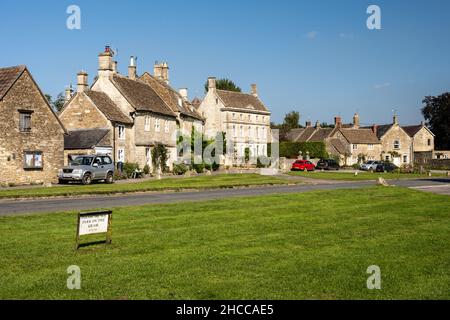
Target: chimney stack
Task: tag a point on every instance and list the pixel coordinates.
(82, 82)
(211, 84)
(308, 124)
(114, 67)
(338, 122)
(254, 90)
(132, 69)
(105, 63)
(375, 129)
(184, 94)
(317, 124)
(161, 71)
(68, 93)
(395, 119)
(356, 121)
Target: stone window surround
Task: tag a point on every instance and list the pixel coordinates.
(33, 167)
(25, 119)
(121, 132)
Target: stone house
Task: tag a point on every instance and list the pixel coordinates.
(138, 117)
(87, 141)
(32, 140)
(243, 117)
(422, 142)
(397, 144)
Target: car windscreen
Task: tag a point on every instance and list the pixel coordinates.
(82, 161)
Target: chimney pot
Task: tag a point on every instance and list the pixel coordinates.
(395, 119)
(338, 122)
(308, 124)
(356, 121)
(132, 69)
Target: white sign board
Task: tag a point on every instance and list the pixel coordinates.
(93, 224)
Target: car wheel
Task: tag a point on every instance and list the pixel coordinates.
(87, 179)
(109, 178)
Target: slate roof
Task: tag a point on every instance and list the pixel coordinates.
(412, 130)
(295, 134)
(238, 100)
(85, 139)
(171, 97)
(108, 107)
(8, 76)
(381, 131)
(196, 102)
(141, 96)
(306, 134)
(363, 136)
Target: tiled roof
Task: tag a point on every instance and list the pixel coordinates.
(306, 134)
(339, 146)
(7, 78)
(412, 130)
(321, 134)
(170, 96)
(196, 102)
(381, 130)
(86, 139)
(294, 134)
(141, 96)
(237, 100)
(364, 136)
(108, 107)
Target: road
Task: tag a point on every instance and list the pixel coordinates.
(12, 207)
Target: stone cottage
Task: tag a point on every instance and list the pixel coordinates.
(243, 117)
(32, 139)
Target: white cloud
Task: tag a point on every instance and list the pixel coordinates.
(382, 85)
(312, 34)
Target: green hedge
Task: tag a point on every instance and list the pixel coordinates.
(291, 149)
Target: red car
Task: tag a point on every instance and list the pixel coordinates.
(301, 165)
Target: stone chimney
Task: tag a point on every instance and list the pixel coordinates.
(68, 93)
(338, 122)
(212, 84)
(317, 124)
(132, 69)
(308, 124)
(105, 63)
(356, 121)
(82, 82)
(395, 119)
(114, 67)
(375, 129)
(254, 90)
(161, 71)
(184, 94)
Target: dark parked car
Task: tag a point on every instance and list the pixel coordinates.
(386, 167)
(327, 164)
(302, 165)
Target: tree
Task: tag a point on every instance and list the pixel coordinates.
(437, 115)
(58, 104)
(292, 120)
(225, 84)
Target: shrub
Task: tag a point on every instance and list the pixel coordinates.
(160, 155)
(356, 166)
(199, 168)
(260, 164)
(146, 169)
(291, 149)
(180, 169)
(129, 169)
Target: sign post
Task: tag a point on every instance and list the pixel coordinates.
(89, 223)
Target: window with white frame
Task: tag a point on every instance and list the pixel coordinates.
(33, 160)
(242, 131)
(234, 132)
(147, 123)
(121, 130)
(120, 155)
(148, 156)
(370, 146)
(166, 126)
(355, 147)
(157, 125)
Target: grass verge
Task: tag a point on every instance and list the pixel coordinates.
(175, 184)
(362, 175)
(315, 245)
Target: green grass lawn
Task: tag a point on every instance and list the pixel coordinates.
(200, 182)
(315, 245)
(362, 175)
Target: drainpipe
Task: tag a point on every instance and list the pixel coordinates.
(114, 144)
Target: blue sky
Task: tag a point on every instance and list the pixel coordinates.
(315, 57)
